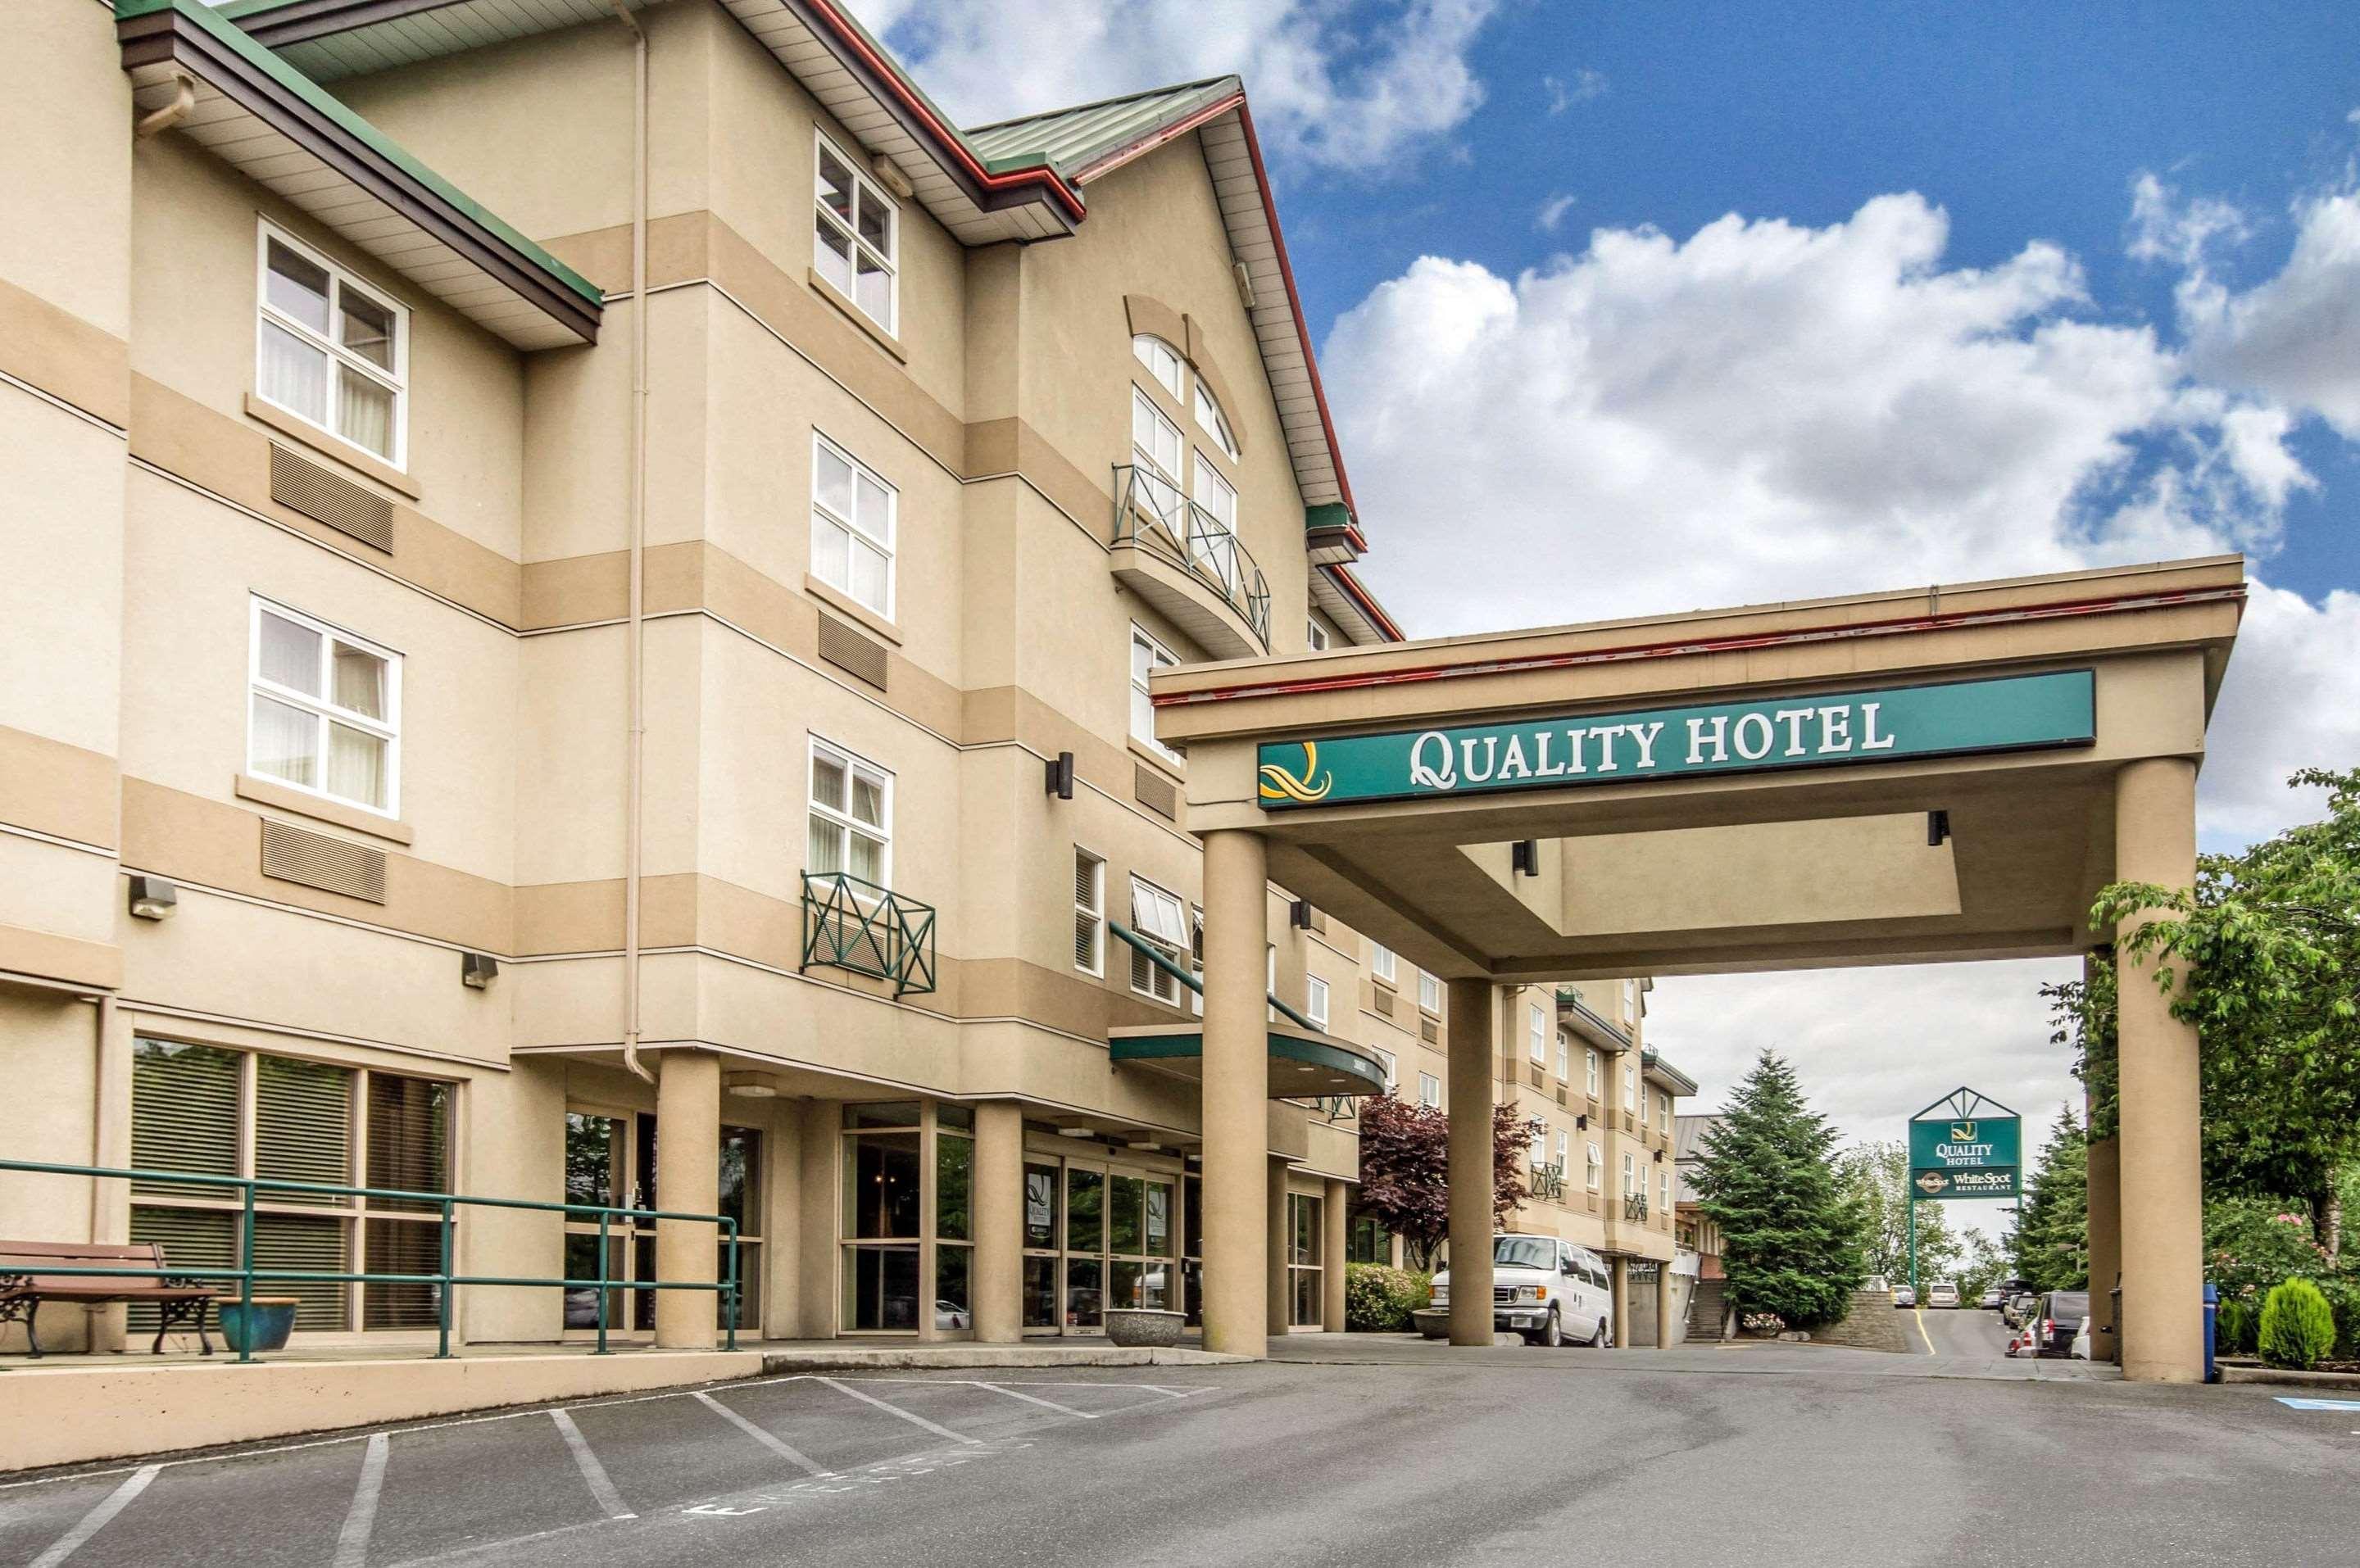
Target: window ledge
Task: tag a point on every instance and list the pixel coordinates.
(846, 604)
(1177, 772)
(856, 316)
(328, 446)
(265, 792)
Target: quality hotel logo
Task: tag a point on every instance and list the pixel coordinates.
(1279, 783)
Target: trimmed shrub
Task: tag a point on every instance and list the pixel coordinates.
(2233, 1329)
(1379, 1300)
(2297, 1327)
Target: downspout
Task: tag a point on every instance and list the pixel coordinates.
(184, 98)
(635, 654)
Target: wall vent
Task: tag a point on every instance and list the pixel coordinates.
(1561, 1093)
(1381, 999)
(315, 860)
(849, 651)
(304, 486)
(1429, 1031)
(1155, 792)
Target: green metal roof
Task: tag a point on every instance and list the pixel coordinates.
(303, 87)
(1071, 139)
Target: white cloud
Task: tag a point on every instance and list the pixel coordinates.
(1563, 94)
(1348, 85)
(2295, 337)
(1553, 212)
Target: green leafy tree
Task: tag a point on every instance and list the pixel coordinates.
(1988, 1262)
(1405, 1170)
(1793, 1237)
(2051, 1240)
(1878, 1174)
(2268, 945)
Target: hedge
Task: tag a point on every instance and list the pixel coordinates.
(2298, 1328)
(1379, 1300)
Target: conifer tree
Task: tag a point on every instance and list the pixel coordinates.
(1793, 1239)
(2051, 1242)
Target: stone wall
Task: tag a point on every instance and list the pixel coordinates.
(1871, 1325)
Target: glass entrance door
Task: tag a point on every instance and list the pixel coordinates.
(1096, 1236)
(610, 1158)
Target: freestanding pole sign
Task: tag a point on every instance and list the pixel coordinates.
(1962, 1146)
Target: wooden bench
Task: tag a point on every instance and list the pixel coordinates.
(24, 1286)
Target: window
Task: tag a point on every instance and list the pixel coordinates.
(854, 245)
(1155, 449)
(1314, 1000)
(1156, 915)
(1630, 1087)
(1560, 1151)
(1536, 1033)
(851, 816)
(1304, 1216)
(1213, 422)
(1393, 1078)
(1630, 1174)
(1381, 962)
(1269, 977)
(1564, 1057)
(1429, 1089)
(1664, 1110)
(1162, 362)
(1589, 1068)
(852, 528)
(201, 1110)
(1089, 912)
(1646, 1105)
(1314, 637)
(1595, 1170)
(1211, 548)
(1663, 1193)
(1429, 993)
(1629, 1000)
(323, 710)
(1147, 657)
(329, 351)
(1197, 958)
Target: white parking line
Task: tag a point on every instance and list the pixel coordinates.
(113, 1503)
(1036, 1399)
(767, 1439)
(593, 1475)
(360, 1519)
(896, 1409)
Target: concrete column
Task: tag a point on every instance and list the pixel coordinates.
(1236, 1096)
(1277, 1297)
(1621, 1277)
(1663, 1306)
(822, 1218)
(688, 1180)
(110, 1200)
(1471, 1003)
(1332, 1237)
(999, 1201)
(782, 1223)
(2160, 1182)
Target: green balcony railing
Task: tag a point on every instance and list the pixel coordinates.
(852, 924)
(444, 1279)
(1151, 511)
(1192, 978)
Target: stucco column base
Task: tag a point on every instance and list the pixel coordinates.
(2160, 1182)
(1236, 1185)
(688, 1180)
(999, 1199)
(1332, 1237)
(1663, 1306)
(1472, 1004)
(1621, 1277)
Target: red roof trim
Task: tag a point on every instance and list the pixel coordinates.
(2120, 604)
(1157, 137)
(948, 139)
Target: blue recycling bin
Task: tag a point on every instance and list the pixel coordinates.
(2211, 1323)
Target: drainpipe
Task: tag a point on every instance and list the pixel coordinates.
(184, 98)
(635, 656)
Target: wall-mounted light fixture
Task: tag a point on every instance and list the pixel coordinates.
(1581, 1124)
(751, 1085)
(1937, 829)
(1524, 857)
(153, 898)
(1659, 1157)
(477, 970)
(1298, 914)
(1060, 769)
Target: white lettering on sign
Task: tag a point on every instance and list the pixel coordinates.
(1720, 723)
(1761, 749)
(1964, 1150)
(1868, 724)
(1438, 760)
(1422, 772)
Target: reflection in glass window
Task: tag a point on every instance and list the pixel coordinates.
(856, 238)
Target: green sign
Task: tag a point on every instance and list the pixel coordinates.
(1965, 1146)
(1827, 729)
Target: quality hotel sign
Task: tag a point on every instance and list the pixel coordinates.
(1830, 729)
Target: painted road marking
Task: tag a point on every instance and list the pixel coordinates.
(1036, 1399)
(767, 1439)
(593, 1475)
(2319, 1404)
(1920, 1314)
(896, 1409)
(113, 1503)
(360, 1519)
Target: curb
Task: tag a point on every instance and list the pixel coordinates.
(2348, 1381)
(988, 1356)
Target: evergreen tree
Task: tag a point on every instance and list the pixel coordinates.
(1793, 1241)
(2051, 1243)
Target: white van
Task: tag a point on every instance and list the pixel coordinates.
(1546, 1290)
(1942, 1293)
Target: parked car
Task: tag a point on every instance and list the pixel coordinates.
(1991, 1299)
(2056, 1320)
(2019, 1308)
(1903, 1296)
(1546, 1290)
(1942, 1293)
(950, 1314)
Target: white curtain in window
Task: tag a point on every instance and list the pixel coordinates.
(356, 764)
(290, 655)
(364, 412)
(285, 741)
(294, 372)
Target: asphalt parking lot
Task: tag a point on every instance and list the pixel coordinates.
(1740, 1457)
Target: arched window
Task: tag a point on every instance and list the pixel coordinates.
(1164, 363)
(1213, 422)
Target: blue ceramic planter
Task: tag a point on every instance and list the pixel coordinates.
(263, 1326)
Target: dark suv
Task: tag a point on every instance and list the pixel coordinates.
(2057, 1320)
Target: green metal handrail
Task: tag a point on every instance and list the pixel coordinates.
(845, 917)
(1149, 507)
(1192, 978)
(447, 1202)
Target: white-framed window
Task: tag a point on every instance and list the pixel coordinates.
(1196, 957)
(1213, 422)
(1429, 992)
(1385, 1058)
(1564, 1057)
(1536, 1033)
(1630, 1173)
(1646, 1104)
(1590, 1070)
(1631, 1000)
(1089, 912)
(1157, 914)
(1147, 657)
(1663, 1193)
(851, 815)
(1664, 1105)
(1155, 449)
(855, 244)
(1429, 1089)
(1540, 1128)
(1215, 548)
(852, 527)
(330, 350)
(1561, 1141)
(1630, 1087)
(1314, 1000)
(1269, 979)
(1164, 363)
(323, 710)
(1381, 962)
(1314, 637)
(1595, 1172)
